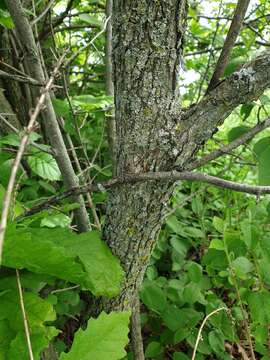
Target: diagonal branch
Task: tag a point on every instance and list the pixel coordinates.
(231, 146)
(19, 155)
(233, 32)
(199, 122)
(167, 176)
(36, 71)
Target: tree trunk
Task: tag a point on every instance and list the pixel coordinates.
(146, 56)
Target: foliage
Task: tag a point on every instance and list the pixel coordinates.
(213, 250)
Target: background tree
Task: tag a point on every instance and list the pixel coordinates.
(154, 138)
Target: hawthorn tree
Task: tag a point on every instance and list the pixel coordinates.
(155, 140)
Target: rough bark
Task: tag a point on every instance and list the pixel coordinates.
(146, 48)
(153, 134)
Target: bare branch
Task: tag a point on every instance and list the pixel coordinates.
(34, 59)
(231, 146)
(199, 122)
(25, 322)
(17, 161)
(169, 176)
(233, 32)
(199, 336)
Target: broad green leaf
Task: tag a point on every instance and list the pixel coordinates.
(90, 102)
(55, 220)
(153, 297)
(194, 272)
(45, 166)
(216, 244)
(104, 273)
(192, 294)
(259, 304)
(153, 349)
(82, 259)
(38, 311)
(216, 341)
(105, 338)
(236, 132)
(61, 108)
(175, 318)
(242, 266)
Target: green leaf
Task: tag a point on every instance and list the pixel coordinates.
(153, 297)
(216, 341)
(242, 266)
(236, 132)
(82, 259)
(105, 338)
(218, 224)
(246, 110)
(259, 303)
(153, 349)
(194, 272)
(45, 166)
(6, 20)
(262, 152)
(180, 356)
(38, 312)
(55, 220)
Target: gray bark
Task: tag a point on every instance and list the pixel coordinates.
(153, 134)
(146, 48)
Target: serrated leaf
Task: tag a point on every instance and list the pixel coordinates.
(38, 312)
(105, 338)
(45, 166)
(82, 259)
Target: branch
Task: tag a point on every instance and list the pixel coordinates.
(232, 35)
(231, 146)
(167, 176)
(25, 321)
(20, 78)
(17, 161)
(34, 61)
(58, 21)
(199, 122)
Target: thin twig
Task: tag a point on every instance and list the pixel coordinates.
(25, 322)
(170, 176)
(231, 146)
(21, 149)
(43, 13)
(199, 336)
(83, 48)
(232, 35)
